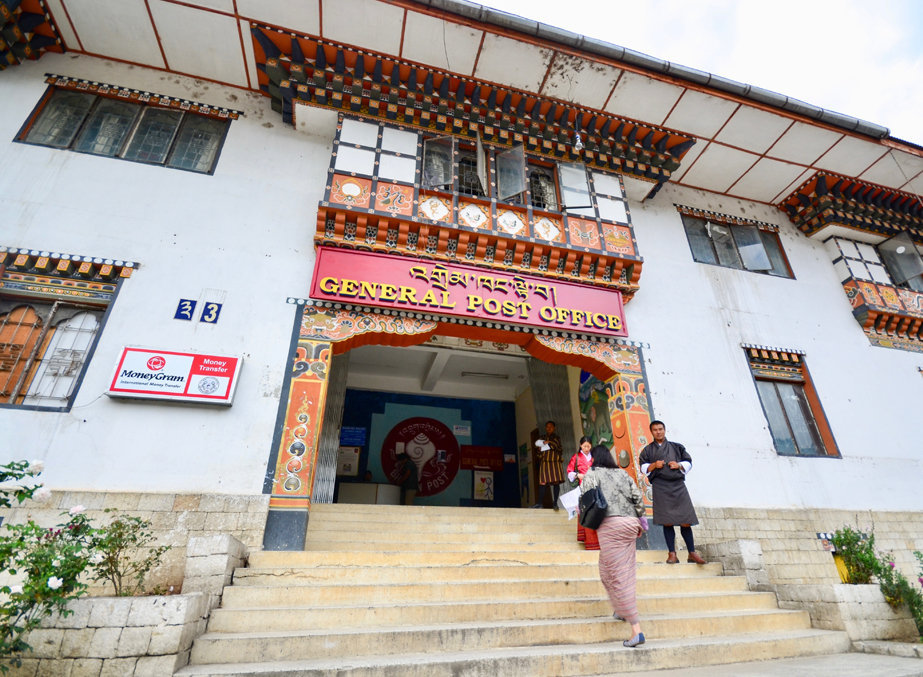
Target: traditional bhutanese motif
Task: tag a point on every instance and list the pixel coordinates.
(617, 564)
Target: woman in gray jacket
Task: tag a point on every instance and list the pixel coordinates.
(617, 534)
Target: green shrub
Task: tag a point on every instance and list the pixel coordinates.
(123, 555)
(858, 553)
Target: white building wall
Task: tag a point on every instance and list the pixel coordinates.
(243, 237)
(695, 317)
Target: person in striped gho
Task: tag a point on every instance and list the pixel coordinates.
(617, 534)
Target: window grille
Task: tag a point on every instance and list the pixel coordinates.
(468, 181)
(544, 195)
(43, 350)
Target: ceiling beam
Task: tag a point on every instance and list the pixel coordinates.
(435, 369)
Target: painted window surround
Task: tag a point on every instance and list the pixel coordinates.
(371, 189)
(790, 402)
(55, 283)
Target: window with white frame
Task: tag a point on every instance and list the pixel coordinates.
(895, 261)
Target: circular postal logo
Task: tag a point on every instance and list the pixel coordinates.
(208, 385)
(430, 445)
(156, 363)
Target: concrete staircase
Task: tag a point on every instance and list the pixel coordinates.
(395, 591)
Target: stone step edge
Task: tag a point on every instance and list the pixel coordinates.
(485, 625)
(661, 566)
(430, 584)
(601, 598)
(654, 645)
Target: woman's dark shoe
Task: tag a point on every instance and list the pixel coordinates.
(672, 559)
(637, 640)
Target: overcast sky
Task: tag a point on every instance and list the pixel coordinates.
(863, 59)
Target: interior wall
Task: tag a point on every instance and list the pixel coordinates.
(484, 423)
(525, 424)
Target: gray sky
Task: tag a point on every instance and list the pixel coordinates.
(855, 57)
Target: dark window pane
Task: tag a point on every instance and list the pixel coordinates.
(699, 241)
(108, 127)
(750, 247)
(724, 244)
(778, 425)
(800, 419)
(915, 283)
(198, 143)
(902, 258)
(438, 162)
(774, 250)
(60, 119)
(511, 174)
(468, 181)
(541, 185)
(153, 136)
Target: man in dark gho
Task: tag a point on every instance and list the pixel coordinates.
(666, 465)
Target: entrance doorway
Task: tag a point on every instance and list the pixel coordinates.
(458, 410)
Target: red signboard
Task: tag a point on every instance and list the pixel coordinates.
(146, 374)
(388, 281)
(481, 458)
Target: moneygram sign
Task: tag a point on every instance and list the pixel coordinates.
(179, 377)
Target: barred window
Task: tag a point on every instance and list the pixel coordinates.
(468, 181)
(111, 127)
(544, 193)
(43, 351)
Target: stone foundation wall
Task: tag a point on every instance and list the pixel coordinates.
(175, 519)
(791, 551)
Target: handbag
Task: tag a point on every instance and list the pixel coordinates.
(593, 507)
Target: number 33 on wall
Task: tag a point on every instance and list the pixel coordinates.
(210, 313)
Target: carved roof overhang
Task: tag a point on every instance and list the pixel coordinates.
(343, 227)
(297, 68)
(26, 32)
(31, 273)
(829, 199)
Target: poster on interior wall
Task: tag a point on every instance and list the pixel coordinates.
(348, 461)
(483, 458)
(483, 486)
(352, 435)
(166, 375)
(429, 445)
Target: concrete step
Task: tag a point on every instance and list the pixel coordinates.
(460, 557)
(398, 545)
(408, 590)
(440, 513)
(386, 535)
(285, 576)
(549, 661)
(310, 617)
(313, 644)
(411, 529)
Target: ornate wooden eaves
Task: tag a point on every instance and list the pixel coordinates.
(828, 199)
(26, 32)
(302, 69)
(342, 227)
(891, 317)
(31, 273)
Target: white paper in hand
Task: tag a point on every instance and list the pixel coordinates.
(539, 443)
(569, 502)
(545, 447)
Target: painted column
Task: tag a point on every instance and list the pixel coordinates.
(296, 454)
(630, 415)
